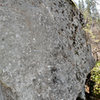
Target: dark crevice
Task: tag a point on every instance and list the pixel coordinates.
(87, 92)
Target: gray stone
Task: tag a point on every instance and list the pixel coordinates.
(43, 51)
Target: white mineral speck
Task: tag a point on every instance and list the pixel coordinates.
(6, 33)
(39, 95)
(17, 35)
(49, 66)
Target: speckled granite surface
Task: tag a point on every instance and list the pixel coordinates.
(43, 50)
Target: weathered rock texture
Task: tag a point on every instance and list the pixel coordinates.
(43, 50)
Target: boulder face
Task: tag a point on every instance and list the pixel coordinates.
(43, 51)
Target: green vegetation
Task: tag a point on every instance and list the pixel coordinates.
(95, 77)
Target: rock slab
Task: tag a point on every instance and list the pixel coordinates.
(43, 51)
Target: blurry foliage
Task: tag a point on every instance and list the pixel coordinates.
(95, 77)
(90, 12)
